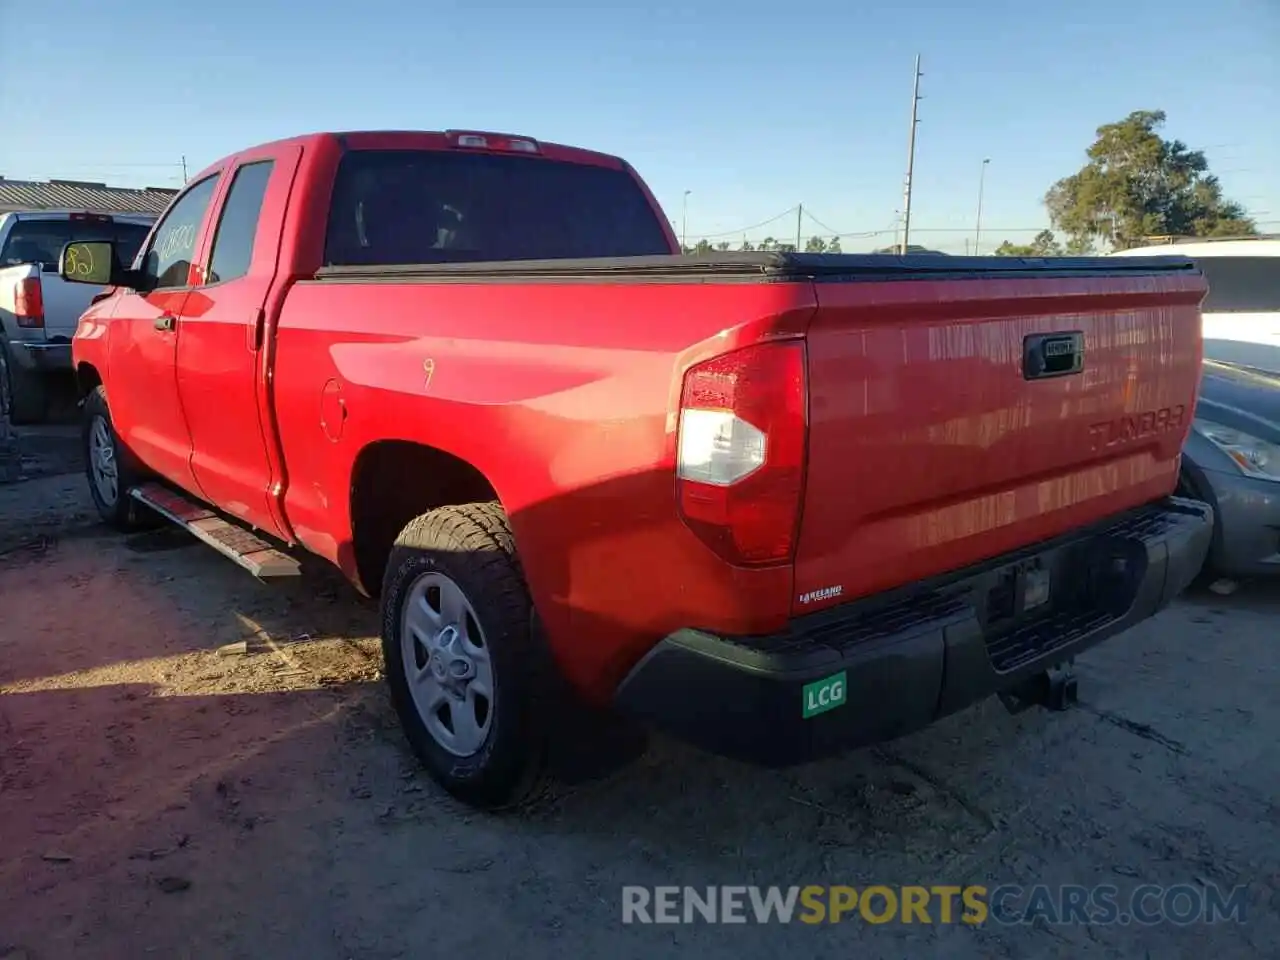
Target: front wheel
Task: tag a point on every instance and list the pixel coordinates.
(110, 468)
(467, 677)
(1189, 488)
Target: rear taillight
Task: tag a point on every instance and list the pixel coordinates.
(741, 451)
(28, 302)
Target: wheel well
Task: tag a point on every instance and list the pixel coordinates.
(87, 379)
(395, 481)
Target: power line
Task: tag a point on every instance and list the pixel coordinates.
(754, 226)
(830, 230)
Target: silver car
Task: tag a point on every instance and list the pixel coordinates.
(1231, 460)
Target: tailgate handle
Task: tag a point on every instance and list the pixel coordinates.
(1047, 355)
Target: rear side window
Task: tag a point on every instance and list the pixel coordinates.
(419, 206)
(41, 241)
(1241, 284)
(238, 225)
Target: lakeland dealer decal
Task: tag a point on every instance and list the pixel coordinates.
(826, 593)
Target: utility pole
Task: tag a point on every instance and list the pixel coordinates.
(184, 168)
(977, 226)
(684, 222)
(911, 161)
(799, 219)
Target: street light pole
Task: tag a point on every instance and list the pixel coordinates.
(977, 227)
(684, 222)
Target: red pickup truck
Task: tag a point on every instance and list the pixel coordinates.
(780, 505)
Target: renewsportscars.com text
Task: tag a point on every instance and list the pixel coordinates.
(1145, 904)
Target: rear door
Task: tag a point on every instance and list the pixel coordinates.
(142, 388)
(221, 376)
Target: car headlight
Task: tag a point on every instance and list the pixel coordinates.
(1254, 457)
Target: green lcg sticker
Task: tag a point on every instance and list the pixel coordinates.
(823, 695)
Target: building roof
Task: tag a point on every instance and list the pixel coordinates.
(18, 195)
(1267, 246)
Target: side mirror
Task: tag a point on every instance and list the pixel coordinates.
(90, 261)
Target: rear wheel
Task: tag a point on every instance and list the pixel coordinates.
(24, 391)
(110, 469)
(467, 675)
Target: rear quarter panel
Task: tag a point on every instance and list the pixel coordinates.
(565, 396)
(63, 304)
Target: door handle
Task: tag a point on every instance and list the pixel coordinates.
(164, 322)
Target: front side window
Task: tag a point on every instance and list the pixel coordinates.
(438, 206)
(167, 262)
(238, 224)
(1241, 284)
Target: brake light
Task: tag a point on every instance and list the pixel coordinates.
(28, 302)
(494, 141)
(92, 217)
(741, 452)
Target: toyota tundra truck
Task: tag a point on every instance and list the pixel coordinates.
(778, 505)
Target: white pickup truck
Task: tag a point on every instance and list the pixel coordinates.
(38, 309)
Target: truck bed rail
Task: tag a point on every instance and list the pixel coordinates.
(756, 267)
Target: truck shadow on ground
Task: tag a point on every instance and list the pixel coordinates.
(148, 782)
(112, 660)
(123, 731)
(132, 815)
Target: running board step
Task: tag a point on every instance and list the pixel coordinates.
(247, 549)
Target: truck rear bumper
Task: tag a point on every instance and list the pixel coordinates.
(878, 668)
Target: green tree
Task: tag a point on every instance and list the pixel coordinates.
(834, 246)
(815, 245)
(1045, 244)
(1080, 247)
(746, 246)
(1136, 184)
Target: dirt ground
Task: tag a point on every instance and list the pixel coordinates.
(158, 797)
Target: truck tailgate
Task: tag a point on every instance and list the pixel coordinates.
(959, 411)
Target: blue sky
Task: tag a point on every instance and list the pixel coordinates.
(752, 106)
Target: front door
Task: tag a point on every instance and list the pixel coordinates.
(221, 373)
(144, 330)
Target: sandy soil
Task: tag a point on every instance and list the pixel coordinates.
(160, 797)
